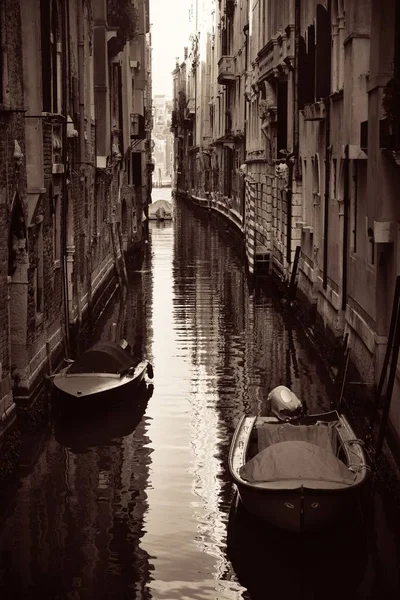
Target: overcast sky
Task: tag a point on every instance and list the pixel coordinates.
(169, 21)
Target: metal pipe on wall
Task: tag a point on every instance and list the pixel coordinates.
(327, 180)
(81, 75)
(296, 88)
(64, 109)
(246, 50)
(346, 204)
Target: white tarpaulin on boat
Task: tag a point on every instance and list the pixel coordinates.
(321, 434)
(160, 209)
(296, 460)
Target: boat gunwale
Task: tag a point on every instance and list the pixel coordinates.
(261, 487)
(126, 373)
(117, 380)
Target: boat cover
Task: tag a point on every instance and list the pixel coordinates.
(104, 357)
(321, 434)
(161, 209)
(296, 461)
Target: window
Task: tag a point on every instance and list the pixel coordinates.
(51, 56)
(282, 141)
(353, 213)
(304, 176)
(337, 45)
(334, 179)
(316, 191)
(39, 270)
(124, 218)
(137, 169)
(322, 54)
(56, 229)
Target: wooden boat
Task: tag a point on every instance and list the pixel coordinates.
(299, 474)
(101, 427)
(160, 210)
(102, 373)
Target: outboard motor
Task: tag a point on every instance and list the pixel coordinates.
(284, 404)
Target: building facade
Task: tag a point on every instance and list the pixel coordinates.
(294, 138)
(163, 141)
(75, 115)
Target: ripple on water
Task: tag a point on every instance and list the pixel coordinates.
(135, 505)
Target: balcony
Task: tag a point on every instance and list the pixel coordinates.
(226, 70)
(314, 112)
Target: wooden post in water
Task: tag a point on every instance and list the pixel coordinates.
(292, 284)
(121, 244)
(115, 252)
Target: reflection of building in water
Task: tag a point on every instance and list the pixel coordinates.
(240, 347)
(78, 520)
(212, 292)
(162, 137)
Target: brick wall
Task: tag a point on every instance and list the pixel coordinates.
(12, 175)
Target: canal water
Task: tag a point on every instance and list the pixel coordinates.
(137, 503)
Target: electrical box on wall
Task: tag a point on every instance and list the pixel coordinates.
(384, 232)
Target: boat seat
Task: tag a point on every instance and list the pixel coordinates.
(320, 434)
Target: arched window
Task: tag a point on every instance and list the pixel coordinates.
(17, 243)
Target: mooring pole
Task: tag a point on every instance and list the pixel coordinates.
(390, 385)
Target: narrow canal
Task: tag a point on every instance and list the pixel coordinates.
(137, 504)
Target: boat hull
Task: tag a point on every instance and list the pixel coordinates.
(295, 505)
(96, 390)
(299, 511)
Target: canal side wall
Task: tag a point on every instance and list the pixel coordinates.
(71, 197)
(313, 98)
(13, 257)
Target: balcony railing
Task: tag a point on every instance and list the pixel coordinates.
(226, 70)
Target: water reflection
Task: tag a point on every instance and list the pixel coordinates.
(135, 504)
(280, 565)
(106, 427)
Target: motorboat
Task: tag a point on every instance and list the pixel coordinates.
(102, 427)
(298, 472)
(102, 373)
(160, 210)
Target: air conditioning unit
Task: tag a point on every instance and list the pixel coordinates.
(135, 64)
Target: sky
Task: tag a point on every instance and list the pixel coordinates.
(169, 36)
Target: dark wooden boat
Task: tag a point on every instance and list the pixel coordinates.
(300, 474)
(105, 371)
(101, 427)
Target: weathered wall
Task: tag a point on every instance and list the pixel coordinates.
(12, 196)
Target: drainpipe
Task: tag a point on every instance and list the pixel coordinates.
(64, 109)
(397, 40)
(293, 163)
(296, 88)
(326, 194)
(81, 74)
(346, 203)
(246, 53)
(289, 195)
(195, 80)
(327, 181)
